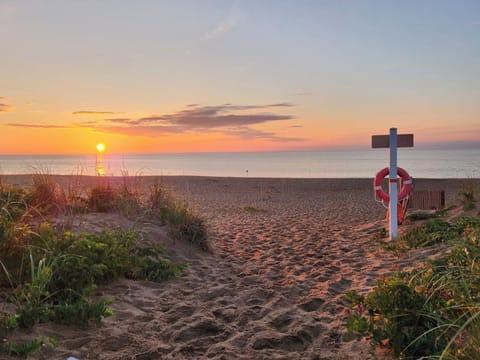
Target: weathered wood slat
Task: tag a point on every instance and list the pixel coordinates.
(427, 199)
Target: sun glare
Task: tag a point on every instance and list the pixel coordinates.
(100, 147)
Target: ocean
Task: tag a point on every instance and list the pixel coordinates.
(420, 163)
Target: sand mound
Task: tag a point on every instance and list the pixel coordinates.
(285, 252)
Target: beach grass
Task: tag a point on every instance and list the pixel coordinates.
(432, 312)
(467, 196)
(52, 273)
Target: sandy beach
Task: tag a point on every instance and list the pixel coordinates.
(284, 251)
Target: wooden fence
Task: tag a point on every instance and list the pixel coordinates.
(427, 199)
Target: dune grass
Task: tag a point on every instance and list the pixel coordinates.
(182, 222)
(467, 196)
(52, 273)
(432, 312)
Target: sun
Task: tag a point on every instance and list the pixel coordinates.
(100, 147)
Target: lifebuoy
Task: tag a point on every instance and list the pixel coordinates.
(407, 184)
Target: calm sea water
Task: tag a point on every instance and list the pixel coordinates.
(457, 163)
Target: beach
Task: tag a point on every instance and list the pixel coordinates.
(283, 254)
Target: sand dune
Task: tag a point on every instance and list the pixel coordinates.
(284, 253)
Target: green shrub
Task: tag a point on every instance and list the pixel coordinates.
(53, 274)
(432, 311)
(421, 216)
(157, 270)
(444, 211)
(21, 349)
(81, 311)
(8, 322)
(470, 205)
(86, 260)
(63, 270)
(466, 223)
(430, 233)
(406, 316)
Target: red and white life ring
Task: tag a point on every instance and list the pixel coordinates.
(407, 184)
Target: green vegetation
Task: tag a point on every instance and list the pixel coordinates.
(421, 216)
(185, 225)
(182, 223)
(467, 196)
(432, 312)
(21, 349)
(433, 232)
(52, 274)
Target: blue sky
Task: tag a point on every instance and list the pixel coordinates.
(346, 69)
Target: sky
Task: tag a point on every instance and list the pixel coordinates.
(155, 76)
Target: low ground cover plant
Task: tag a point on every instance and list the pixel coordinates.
(432, 232)
(432, 312)
(52, 275)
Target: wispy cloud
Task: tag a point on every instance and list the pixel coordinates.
(89, 112)
(223, 27)
(247, 133)
(150, 131)
(4, 107)
(233, 120)
(42, 126)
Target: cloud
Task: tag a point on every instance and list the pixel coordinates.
(233, 120)
(223, 27)
(88, 112)
(4, 107)
(119, 120)
(254, 134)
(39, 126)
(210, 117)
(151, 131)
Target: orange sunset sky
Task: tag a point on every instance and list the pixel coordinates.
(206, 76)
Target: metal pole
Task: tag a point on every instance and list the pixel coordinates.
(393, 184)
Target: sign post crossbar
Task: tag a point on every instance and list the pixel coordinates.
(393, 141)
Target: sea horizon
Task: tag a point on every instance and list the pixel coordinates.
(342, 163)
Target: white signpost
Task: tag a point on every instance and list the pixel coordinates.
(393, 141)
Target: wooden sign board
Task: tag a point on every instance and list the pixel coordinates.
(383, 141)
